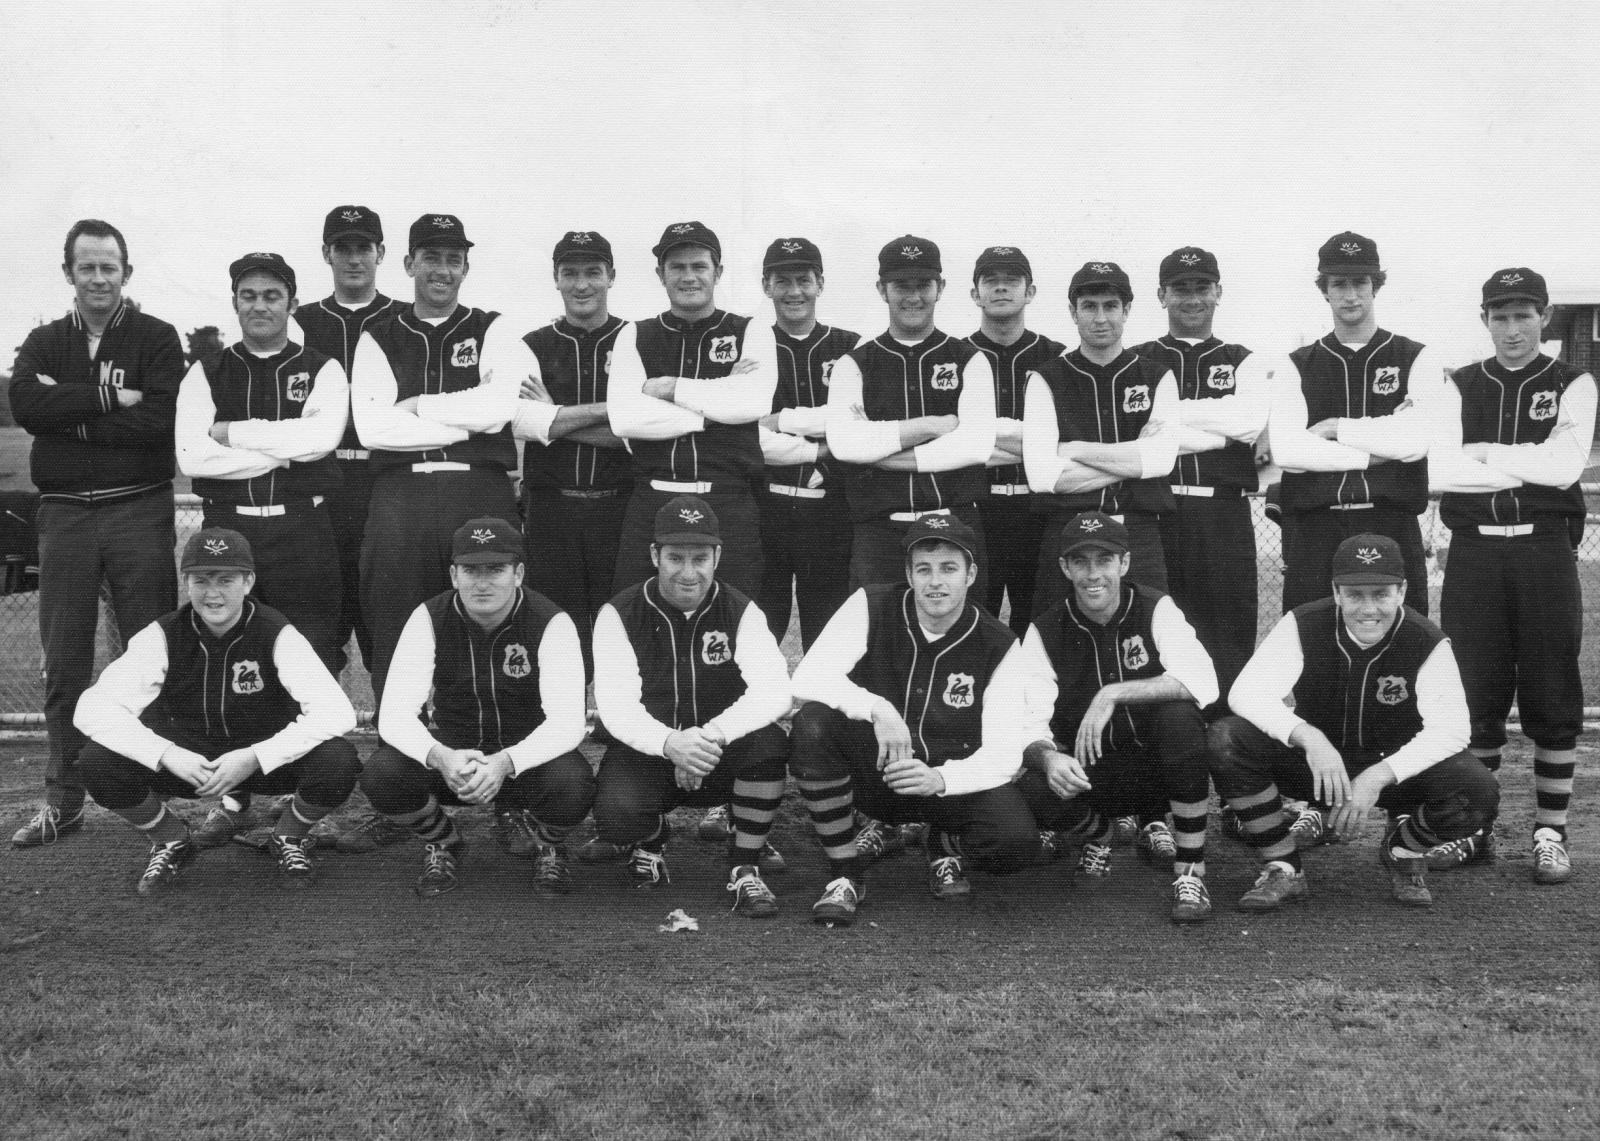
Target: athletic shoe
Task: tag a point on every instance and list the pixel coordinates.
(1124, 830)
(876, 840)
(947, 879)
(1551, 864)
(218, 828)
(515, 832)
(1310, 828)
(1229, 825)
(46, 827)
(325, 833)
(647, 868)
(166, 861)
(1051, 846)
(771, 861)
(598, 851)
(839, 901)
(715, 826)
(438, 870)
(1277, 884)
(295, 870)
(1095, 861)
(1155, 841)
(373, 832)
(1191, 903)
(752, 898)
(1408, 871)
(551, 875)
(1478, 848)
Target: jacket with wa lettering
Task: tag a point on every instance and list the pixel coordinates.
(704, 349)
(334, 330)
(575, 365)
(1207, 371)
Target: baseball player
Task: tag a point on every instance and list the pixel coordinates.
(221, 695)
(434, 388)
(1002, 288)
(914, 709)
(914, 407)
(1515, 436)
(1349, 426)
(1100, 433)
(495, 662)
(1223, 398)
(1352, 701)
(690, 682)
(352, 245)
(1116, 680)
(96, 390)
(687, 389)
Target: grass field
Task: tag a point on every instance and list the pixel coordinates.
(1040, 1010)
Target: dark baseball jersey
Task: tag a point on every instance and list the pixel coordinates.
(222, 690)
(1206, 371)
(686, 661)
(1011, 364)
(575, 365)
(703, 349)
(805, 365)
(334, 330)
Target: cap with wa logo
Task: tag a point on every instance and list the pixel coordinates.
(792, 251)
(1106, 275)
(583, 245)
(687, 234)
(1188, 263)
(1519, 283)
(1368, 560)
(438, 230)
(485, 540)
(217, 548)
(1093, 529)
(351, 222)
(996, 258)
(270, 264)
(1348, 254)
(909, 257)
(687, 519)
(940, 529)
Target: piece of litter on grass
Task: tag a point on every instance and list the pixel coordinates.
(678, 920)
(871, 924)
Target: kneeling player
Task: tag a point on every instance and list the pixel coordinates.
(914, 708)
(689, 681)
(505, 673)
(220, 696)
(1352, 701)
(1116, 679)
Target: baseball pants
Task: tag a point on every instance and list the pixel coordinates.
(1013, 534)
(347, 510)
(559, 792)
(807, 547)
(323, 778)
(1148, 565)
(574, 559)
(1212, 578)
(1311, 537)
(877, 557)
(741, 563)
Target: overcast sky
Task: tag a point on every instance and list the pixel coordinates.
(1461, 137)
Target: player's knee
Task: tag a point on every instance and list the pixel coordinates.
(112, 780)
(570, 794)
(812, 756)
(390, 781)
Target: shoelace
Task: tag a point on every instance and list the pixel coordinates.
(648, 863)
(947, 869)
(870, 840)
(46, 821)
(750, 886)
(718, 814)
(840, 891)
(1307, 823)
(437, 860)
(163, 860)
(1267, 875)
(1190, 889)
(1548, 852)
(292, 857)
(1096, 859)
(1159, 837)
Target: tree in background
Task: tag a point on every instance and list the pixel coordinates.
(204, 342)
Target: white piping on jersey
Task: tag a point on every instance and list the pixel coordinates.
(950, 641)
(1070, 609)
(1111, 504)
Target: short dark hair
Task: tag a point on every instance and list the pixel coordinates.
(966, 556)
(94, 228)
(1378, 277)
(1099, 287)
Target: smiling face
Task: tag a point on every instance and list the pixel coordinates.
(793, 291)
(1369, 610)
(355, 266)
(436, 274)
(911, 302)
(97, 274)
(217, 595)
(1096, 577)
(940, 574)
(690, 274)
(263, 304)
(684, 572)
(1516, 327)
(584, 285)
(1191, 305)
(487, 590)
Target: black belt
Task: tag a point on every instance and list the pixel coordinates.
(101, 498)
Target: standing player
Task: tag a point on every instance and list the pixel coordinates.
(495, 663)
(1515, 436)
(1223, 397)
(575, 484)
(222, 695)
(96, 390)
(1349, 427)
(914, 407)
(1100, 432)
(687, 389)
(433, 393)
(1002, 287)
(1352, 701)
(914, 709)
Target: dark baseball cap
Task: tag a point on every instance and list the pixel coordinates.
(262, 263)
(1093, 529)
(1368, 560)
(217, 548)
(687, 234)
(908, 257)
(687, 519)
(583, 245)
(792, 251)
(351, 222)
(1519, 283)
(940, 529)
(1001, 257)
(1348, 254)
(1102, 273)
(1189, 262)
(438, 230)
(485, 539)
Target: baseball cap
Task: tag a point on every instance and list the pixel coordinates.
(1368, 560)
(909, 256)
(1100, 273)
(687, 519)
(1348, 254)
(940, 529)
(438, 230)
(1093, 529)
(217, 548)
(485, 539)
(351, 222)
(584, 245)
(792, 251)
(687, 234)
(264, 263)
(1187, 262)
(1001, 257)
(1518, 283)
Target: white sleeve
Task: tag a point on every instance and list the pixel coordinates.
(1450, 468)
(1040, 687)
(406, 692)
(1040, 437)
(200, 455)
(998, 760)
(779, 449)
(1266, 683)
(766, 695)
(811, 422)
(823, 674)
(1446, 724)
(533, 418)
(1293, 447)
(618, 691)
(1182, 655)
(317, 431)
(856, 441)
(1158, 440)
(1242, 415)
(743, 397)
(325, 711)
(1558, 461)
(972, 441)
(1401, 435)
(633, 415)
(374, 406)
(560, 696)
(504, 362)
(109, 710)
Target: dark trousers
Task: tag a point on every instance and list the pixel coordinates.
(807, 547)
(1147, 566)
(129, 544)
(876, 555)
(297, 562)
(735, 505)
(1211, 575)
(323, 778)
(347, 509)
(1514, 612)
(559, 792)
(1311, 537)
(405, 559)
(635, 789)
(994, 828)
(1013, 534)
(572, 552)
(1453, 798)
